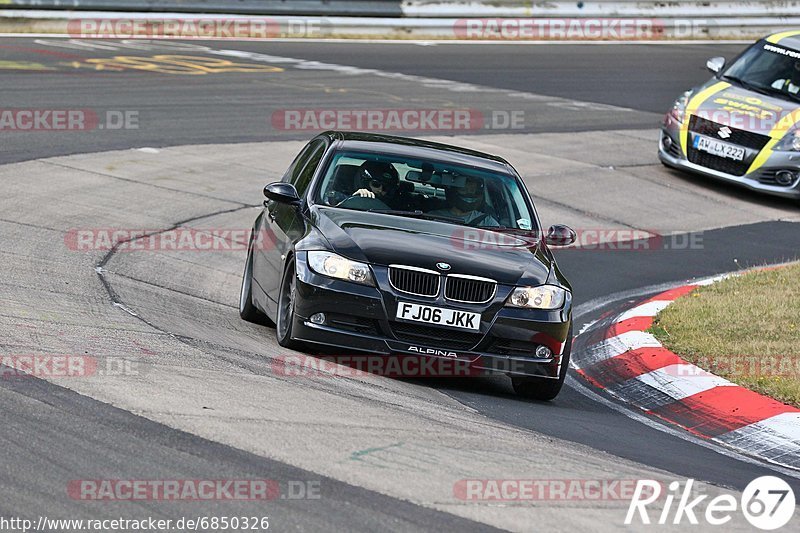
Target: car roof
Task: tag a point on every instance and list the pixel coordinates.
(790, 39)
(418, 149)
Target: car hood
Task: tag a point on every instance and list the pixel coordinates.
(388, 239)
(744, 109)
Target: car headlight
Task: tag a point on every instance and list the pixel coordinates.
(679, 107)
(336, 266)
(541, 297)
(790, 142)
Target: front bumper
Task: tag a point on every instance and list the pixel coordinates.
(361, 319)
(761, 179)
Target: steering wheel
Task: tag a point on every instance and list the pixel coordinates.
(476, 221)
(362, 203)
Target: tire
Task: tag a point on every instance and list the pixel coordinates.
(544, 389)
(248, 311)
(285, 314)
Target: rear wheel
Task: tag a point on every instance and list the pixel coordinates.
(286, 306)
(248, 311)
(544, 389)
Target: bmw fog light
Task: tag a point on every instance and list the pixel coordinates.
(318, 318)
(543, 352)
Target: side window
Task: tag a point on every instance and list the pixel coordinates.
(299, 162)
(312, 150)
(303, 177)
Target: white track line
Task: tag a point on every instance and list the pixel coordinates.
(680, 381)
(777, 438)
(646, 309)
(614, 346)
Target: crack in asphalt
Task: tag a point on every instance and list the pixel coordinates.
(100, 266)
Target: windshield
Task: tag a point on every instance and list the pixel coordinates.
(769, 69)
(425, 189)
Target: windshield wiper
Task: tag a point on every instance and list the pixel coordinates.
(763, 90)
(781, 94)
(396, 212)
(414, 214)
(453, 220)
(748, 85)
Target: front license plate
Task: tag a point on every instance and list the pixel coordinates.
(718, 148)
(439, 316)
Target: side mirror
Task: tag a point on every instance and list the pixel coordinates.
(560, 235)
(282, 192)
(715, 64)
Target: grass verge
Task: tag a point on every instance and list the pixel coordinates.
(745, 329)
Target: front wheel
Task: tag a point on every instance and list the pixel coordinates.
(544, 389)
(286, 307)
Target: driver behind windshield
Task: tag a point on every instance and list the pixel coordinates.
(790, 83)
(467, 203)
(378, 180)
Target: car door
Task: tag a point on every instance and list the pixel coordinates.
(281, 223)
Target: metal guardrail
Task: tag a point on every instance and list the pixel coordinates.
(601, 8)
(435, 8)
(712, 9)
(356, 8)
(437, 19)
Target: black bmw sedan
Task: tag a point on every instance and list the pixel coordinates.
(389, 246)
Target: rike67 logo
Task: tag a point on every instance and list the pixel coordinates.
(767, 503)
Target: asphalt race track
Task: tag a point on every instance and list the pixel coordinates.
(200, 134)
(176, 109)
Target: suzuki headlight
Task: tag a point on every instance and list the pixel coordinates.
(679, 107)
(541, 297)
(335, 266)
(790, 142)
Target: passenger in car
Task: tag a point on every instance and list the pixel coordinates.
(467, 204)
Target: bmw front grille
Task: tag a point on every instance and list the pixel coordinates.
(427, 283)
